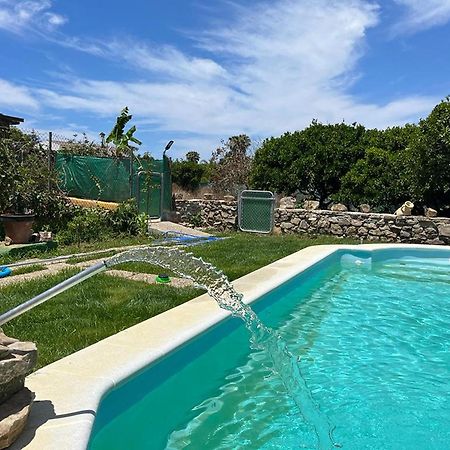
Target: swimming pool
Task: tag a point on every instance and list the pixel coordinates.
(372, 329)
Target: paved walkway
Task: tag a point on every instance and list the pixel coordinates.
(165, 226)
(53, 269)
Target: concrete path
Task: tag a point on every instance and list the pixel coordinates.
(53, 269)
(164, 227)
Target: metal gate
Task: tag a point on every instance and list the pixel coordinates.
(255, 211)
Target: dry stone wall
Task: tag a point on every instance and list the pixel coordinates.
(372, 227)
(218, 214)
(368, 227)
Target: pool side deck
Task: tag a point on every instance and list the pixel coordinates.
(69, 391)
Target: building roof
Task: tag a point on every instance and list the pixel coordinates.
(6, 121)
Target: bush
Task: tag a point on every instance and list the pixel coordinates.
(26, 181)
(126, 219)
(94, 224)
(377, 179)
(311, 161)
(187, 174)
(89, 224)
(430, 154)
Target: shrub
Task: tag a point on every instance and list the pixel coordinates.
(377, 179)
(430, 154)
(89, 224)
(126, 218)
(26, 181)
(187, 174)
(312, 161)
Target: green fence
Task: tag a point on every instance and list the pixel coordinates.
(117, 180)
(256, 211)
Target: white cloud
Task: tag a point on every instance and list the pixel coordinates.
(14, 96)
(273, 69)
(20, 15)
(423, 14)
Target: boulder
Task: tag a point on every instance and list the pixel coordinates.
(6, 340)
(287, 203)
(311, 204)
(364, 208)
(444, 231)
(13, 416)
(430, 212)
(14, 368)
(338, 207)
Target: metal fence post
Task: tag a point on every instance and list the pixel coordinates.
(49, 156)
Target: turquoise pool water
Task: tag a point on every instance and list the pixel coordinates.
(372, 330)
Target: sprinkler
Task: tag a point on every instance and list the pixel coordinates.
(163, 278)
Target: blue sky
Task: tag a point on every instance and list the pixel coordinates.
(198, 71)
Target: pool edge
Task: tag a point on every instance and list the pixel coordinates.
(69, 391)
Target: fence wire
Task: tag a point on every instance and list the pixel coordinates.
(256, 211)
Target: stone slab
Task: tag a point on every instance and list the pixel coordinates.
(167, 227)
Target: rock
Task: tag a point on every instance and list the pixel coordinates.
(336, 229)
(229, 198)
(338, 207)
(4, 352)
(362, 231)
(351, 231)
(405, 209)
(304, 225)
(13, 416)
(356, 222)
(287, 226)
(311, 204)
(208, 196)
(430, 212)
(14, 369)
(276, 230)
(364, 208)
(295, 221)
(287, 203)
(444, 231)
(404, 234)
(6, 340)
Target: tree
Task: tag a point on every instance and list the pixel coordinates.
(430, 156)
(187, 174)
(232, 164)
(312, 161)
(377, 179)
(193, 157)
(121, 138)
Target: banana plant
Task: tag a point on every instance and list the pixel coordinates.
(121, 138)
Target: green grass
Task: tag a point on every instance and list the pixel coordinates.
(241, 253)
(76, 260)
(87, 313)
(27, 269)
(122, 241)
(103, 305)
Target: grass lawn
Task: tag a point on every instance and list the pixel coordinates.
(84, 247)
(103, 305)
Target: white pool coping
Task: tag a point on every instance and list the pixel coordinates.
(68, 392)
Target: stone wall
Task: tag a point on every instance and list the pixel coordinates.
(218, 214)
(369, 227)
(222, 215)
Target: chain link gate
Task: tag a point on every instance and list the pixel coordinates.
(256, 211)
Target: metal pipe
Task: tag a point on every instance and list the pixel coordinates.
(55, 290)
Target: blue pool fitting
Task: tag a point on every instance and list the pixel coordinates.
(5, 272)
